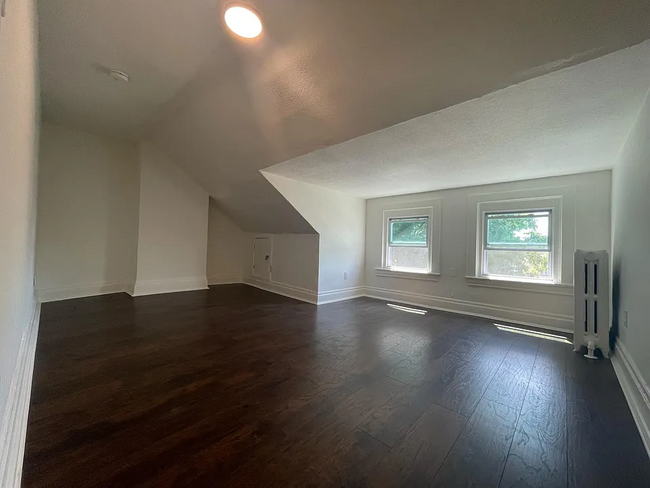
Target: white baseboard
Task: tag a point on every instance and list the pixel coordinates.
(302, 294)
(225, 279)
(635, 389)
(14, 419)
(151, 287)
(545, 320)
(67, 293)
(154, 287)
(340, 295)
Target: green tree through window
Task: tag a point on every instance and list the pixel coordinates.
(412, 232)
(408, 244)
(517, 244)
(515, 229)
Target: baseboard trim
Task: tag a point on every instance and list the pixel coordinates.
(544, 320)
(290, 291)
(224, 279)
(155, 287)
(70, 292)
(635, 389)
(14, 419)
(340, 295)
(129, 288)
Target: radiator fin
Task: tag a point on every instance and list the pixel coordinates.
(591, 293)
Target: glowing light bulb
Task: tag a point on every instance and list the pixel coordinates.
(243, 22)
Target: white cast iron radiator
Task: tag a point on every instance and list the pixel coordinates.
(591, 291)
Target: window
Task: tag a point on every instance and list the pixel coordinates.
(531, 239)
(518, 245)
(408, 244)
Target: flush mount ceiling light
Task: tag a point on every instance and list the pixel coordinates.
(243, 21)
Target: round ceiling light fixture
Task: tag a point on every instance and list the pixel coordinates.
(243, 21)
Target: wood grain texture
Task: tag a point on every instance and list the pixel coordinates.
(416, 458)
(395, 418)
(508, 387)
(521, 357)
(471, 378)
(538, 453)
(550, 364)
(480, 453)
(236, 387)
(604, 446)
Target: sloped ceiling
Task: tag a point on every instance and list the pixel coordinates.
(324, 72)
(570, 121)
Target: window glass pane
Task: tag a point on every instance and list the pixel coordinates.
(409, 232)
(523, 264)
(519, 230)
(409, 258)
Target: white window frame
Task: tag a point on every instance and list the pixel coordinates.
(553, 257)
(561, 202)
(432, 213)
(427, 245)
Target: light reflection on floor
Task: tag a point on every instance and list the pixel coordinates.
(533, 333)
(402, 308)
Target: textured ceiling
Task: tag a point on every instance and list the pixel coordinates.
(570, 121)
(324, 72)
(160, 43)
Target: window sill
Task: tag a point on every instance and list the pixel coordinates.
(409, 275)
(521, 285)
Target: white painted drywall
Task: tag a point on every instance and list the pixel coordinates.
(325, 72)
(570, 121)
(294, 260)
(631, 243)
(88, 195)
(340, 221)
(226, 247)
(18, 170)
(173, 227)
(591, 230)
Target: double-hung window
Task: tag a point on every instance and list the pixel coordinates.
(408, 246)
(518, 245)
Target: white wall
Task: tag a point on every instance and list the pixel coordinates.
(115, 216)
(340, 221)
(294, 261)
(226, 247)
(18, 170)
(588, 194)
(631, 245)
(173, 227)
(88, 195)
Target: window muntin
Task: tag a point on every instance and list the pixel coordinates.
(518, 245)
(408, 244)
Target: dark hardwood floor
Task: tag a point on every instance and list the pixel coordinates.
(236, 387)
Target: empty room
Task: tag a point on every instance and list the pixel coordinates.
(342, 243)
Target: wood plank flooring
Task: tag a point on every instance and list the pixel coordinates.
(236, 387)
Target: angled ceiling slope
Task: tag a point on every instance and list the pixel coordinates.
(570, 121)
(323, 73)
